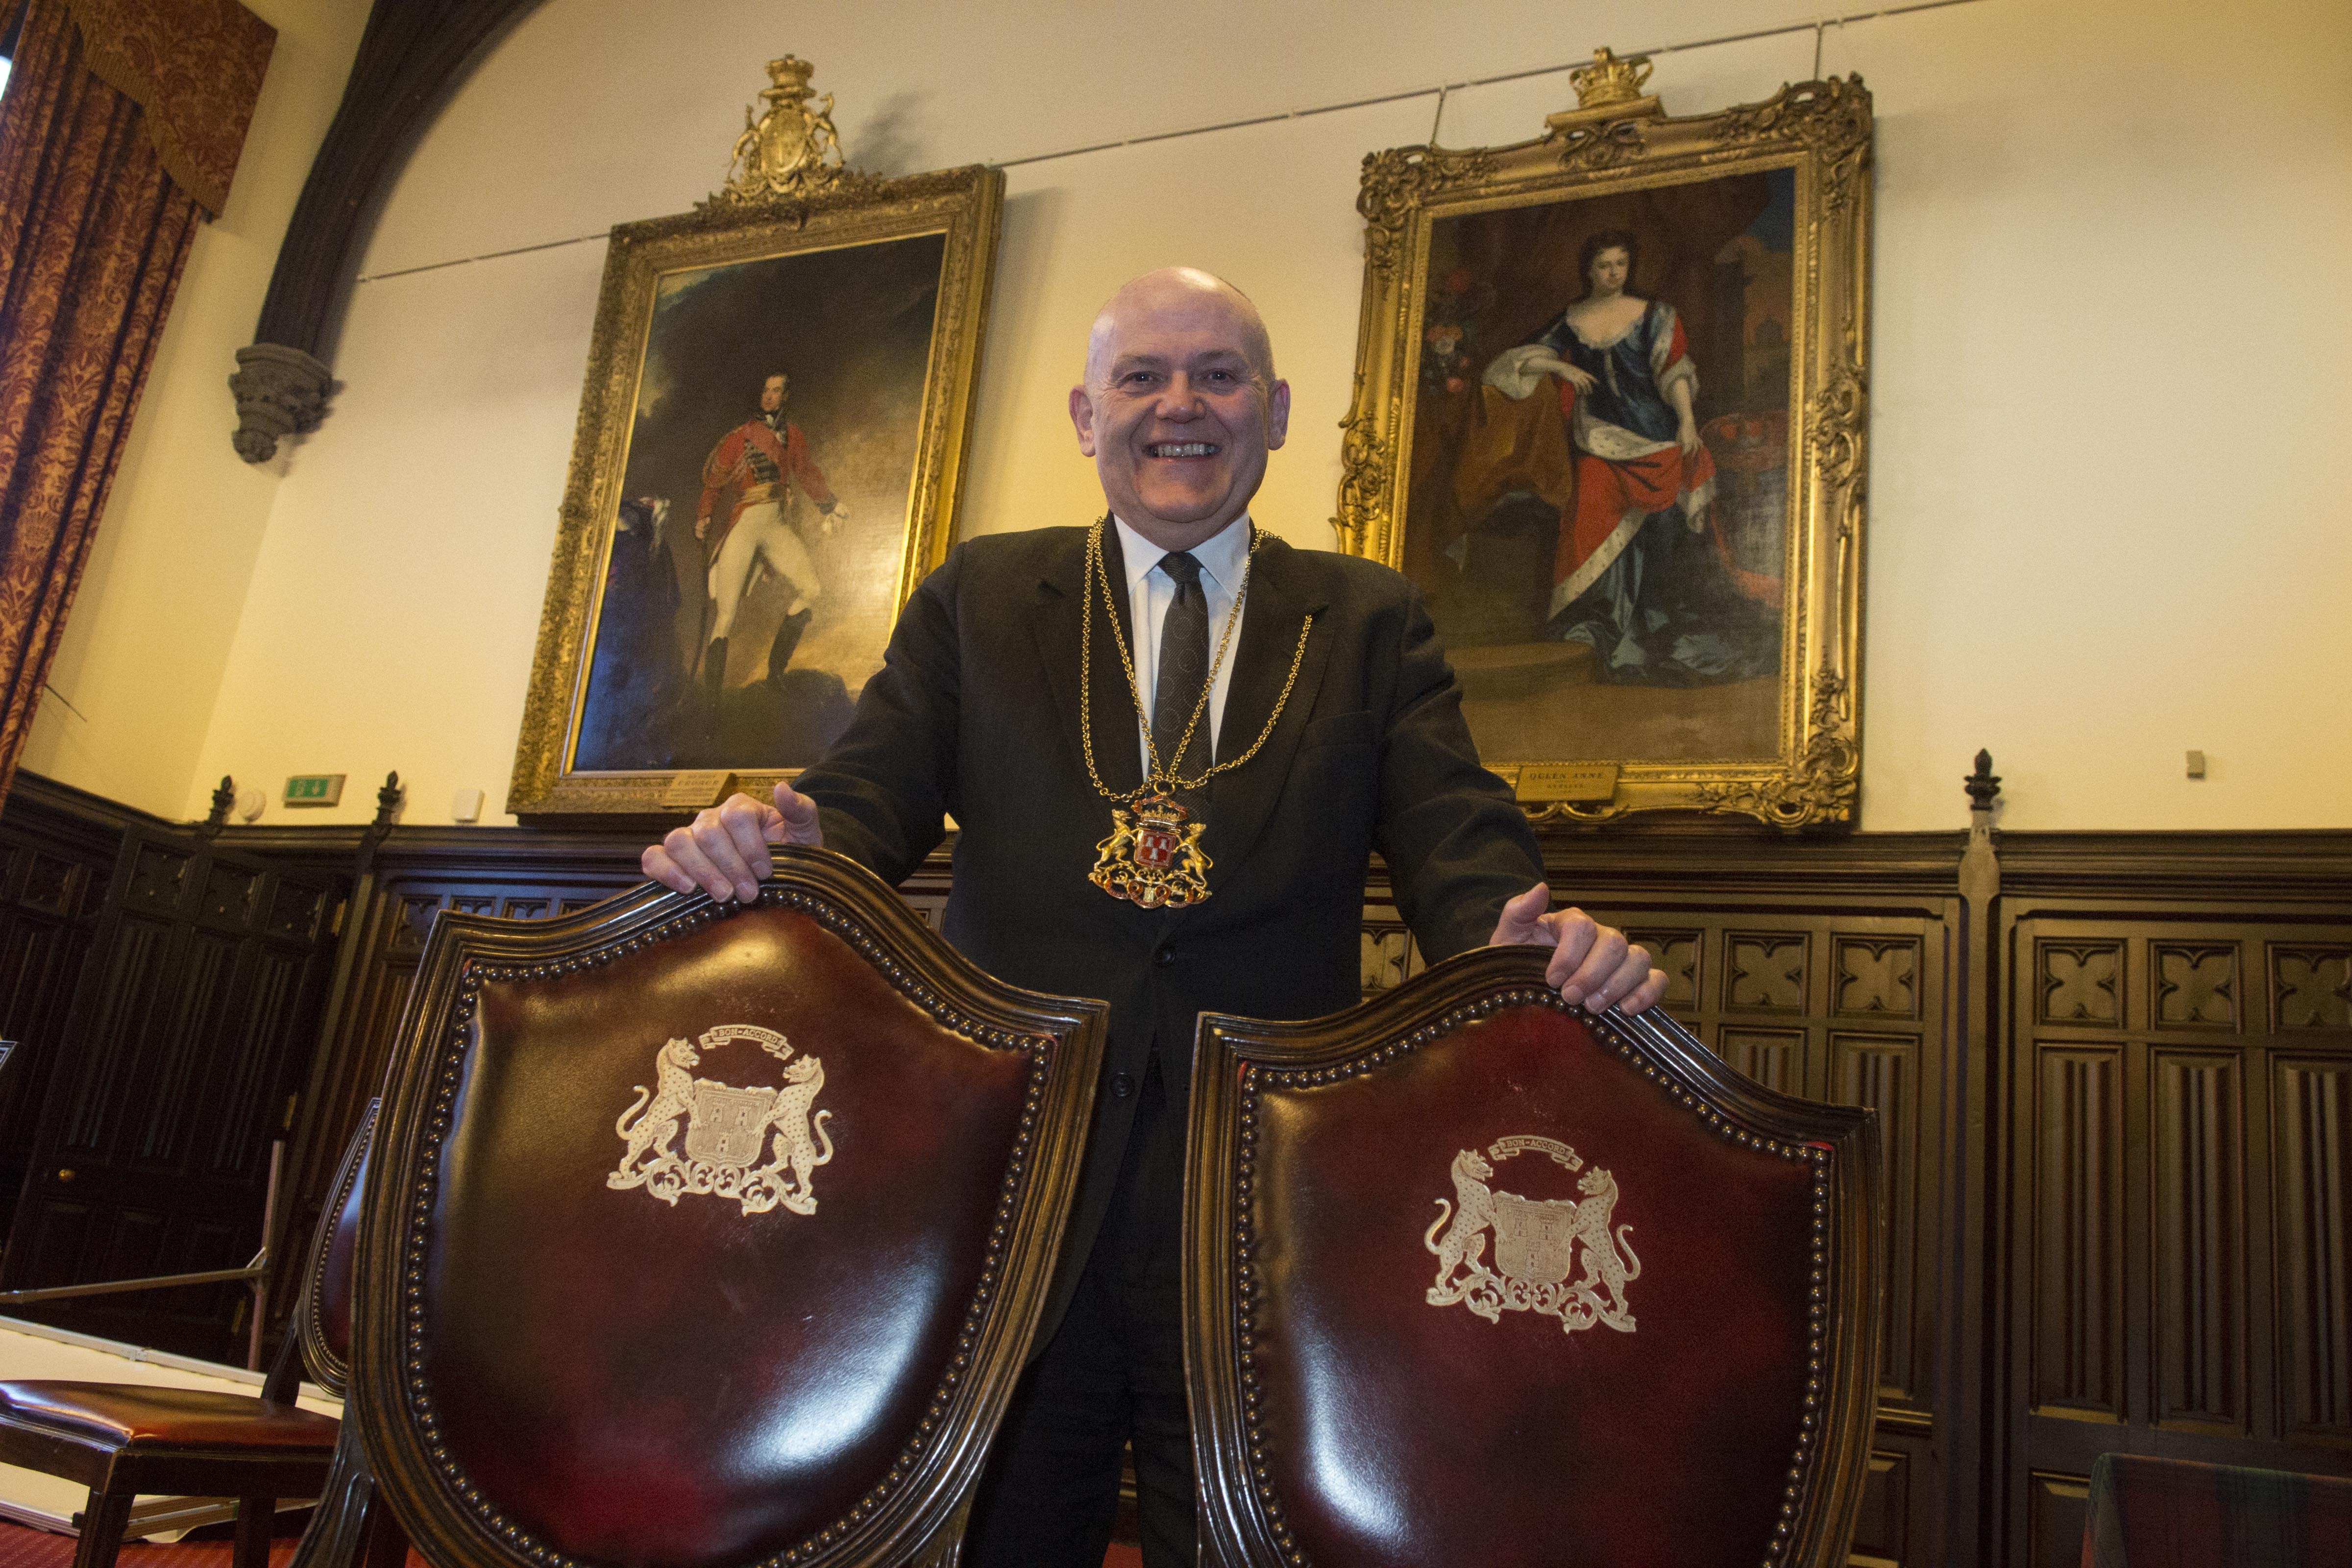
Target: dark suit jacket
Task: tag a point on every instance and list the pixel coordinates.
(976, 714)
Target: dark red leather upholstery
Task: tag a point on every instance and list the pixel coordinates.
(626, 1372)
(129, 1414)
(1354, 1411)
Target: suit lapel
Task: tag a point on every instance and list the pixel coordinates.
(1064, 603)
(1279, 599)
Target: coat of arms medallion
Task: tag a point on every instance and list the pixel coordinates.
(1153, 856)
(1539, 1244)
(728, 1131)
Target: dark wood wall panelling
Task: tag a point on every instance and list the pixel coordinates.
(55, 856)
(187, 1026)
(2176, 1131)
(2113, 1070)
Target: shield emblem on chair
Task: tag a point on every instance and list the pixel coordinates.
(1534, 1241)
(726, 1125)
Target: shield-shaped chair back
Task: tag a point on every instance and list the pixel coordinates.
(700, 1235)
(323, 1316)
(1474, 1276)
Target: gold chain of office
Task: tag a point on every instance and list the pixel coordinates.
(1153, 855)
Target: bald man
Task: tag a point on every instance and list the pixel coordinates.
(1297, 714)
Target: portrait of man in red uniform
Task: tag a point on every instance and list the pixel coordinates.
(751, 473)
(738, 619)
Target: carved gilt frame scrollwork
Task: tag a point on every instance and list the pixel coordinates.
(1822, 132)
(820, 208)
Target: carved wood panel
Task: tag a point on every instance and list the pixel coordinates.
(2180, 1197)
(49, 890)
(1844, 1007)
(191, 1027)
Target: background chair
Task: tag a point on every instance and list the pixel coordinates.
(2147, 1512)
(705, 1236)
(1474, 1276)
(124, 1439)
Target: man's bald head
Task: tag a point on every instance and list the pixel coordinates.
(1179, 289)
(1179, 405)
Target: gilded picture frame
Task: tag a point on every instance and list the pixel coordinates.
(726, 573)
(1649, 583)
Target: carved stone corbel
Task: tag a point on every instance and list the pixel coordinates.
(280, 392)
(411, 52)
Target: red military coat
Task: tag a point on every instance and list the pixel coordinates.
(752, 460)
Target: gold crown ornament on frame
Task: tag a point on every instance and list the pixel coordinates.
(790, 151)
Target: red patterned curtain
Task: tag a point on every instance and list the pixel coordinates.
(120, 125)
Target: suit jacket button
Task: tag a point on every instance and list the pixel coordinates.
(1165, 956)
(1121, 1085)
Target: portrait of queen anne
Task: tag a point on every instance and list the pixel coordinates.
(1600, 495)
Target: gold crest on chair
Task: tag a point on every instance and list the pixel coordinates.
(1536, 1244)
(726, 1129)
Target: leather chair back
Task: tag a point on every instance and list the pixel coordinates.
(701, 1236)
(323, 1316)
(1474, 1276)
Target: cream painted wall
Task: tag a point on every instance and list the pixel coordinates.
(2105, 328)
(144, 647)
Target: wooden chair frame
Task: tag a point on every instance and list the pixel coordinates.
(118, 1474)
(1242, 1518)
(352, 1523)
(916, 1517)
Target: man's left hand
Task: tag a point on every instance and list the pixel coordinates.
(1592, 964)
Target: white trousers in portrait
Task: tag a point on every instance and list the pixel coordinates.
(761, 535)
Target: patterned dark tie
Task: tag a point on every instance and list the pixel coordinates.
(1184, 669)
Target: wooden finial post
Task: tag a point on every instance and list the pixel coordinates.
(1983, 786)
(224, 800)
(387, 802)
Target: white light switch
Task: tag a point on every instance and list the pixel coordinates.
(2196, 764)
(466, 805)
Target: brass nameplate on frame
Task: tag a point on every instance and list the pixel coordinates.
(692, 792)
(1579, 781)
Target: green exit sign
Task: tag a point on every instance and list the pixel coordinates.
(314, 789)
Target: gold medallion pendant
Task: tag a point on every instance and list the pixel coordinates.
(1153, 856)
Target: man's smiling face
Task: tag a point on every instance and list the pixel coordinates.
(1179, 405)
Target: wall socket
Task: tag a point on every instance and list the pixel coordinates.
(466, 805)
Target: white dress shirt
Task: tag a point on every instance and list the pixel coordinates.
(1150, 592)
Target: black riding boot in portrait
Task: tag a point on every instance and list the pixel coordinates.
(714, 681)
(788, 637)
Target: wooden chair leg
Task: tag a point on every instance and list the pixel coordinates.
(387, 1544)
(256, 1518)
(104, 1518)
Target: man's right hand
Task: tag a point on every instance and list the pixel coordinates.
(724, 850)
